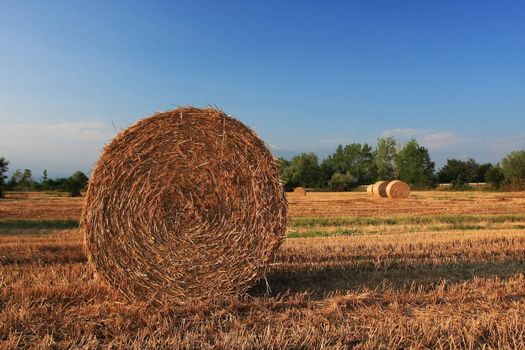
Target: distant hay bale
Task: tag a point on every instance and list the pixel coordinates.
(184, 205)
(397, 189)
(370, 189)
(379, 189)
(300, 191)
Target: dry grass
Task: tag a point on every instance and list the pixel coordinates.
(377, 281)
(344, 204)
(36, 206)
(40, 206)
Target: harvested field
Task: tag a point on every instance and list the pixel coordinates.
(343, 204)
(34, 206)
(40, 206)
(437, 270)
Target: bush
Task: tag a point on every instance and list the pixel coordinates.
(415, 166)
(77, 182)
(469, 171)
(494, 177)
(513, 166)
(3, 169)
(459, 185)
(341, 182)
(303, 170)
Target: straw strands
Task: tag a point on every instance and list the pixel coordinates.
(185, 205)
(397, 189)
(393, 189)
(379, 189)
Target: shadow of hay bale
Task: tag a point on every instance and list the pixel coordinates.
(321, 282)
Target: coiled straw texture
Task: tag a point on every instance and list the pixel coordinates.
(185, 205)
(379, 189)
(397, 189)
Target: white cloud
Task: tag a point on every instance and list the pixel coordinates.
(398, 132)
(447, 144)
(439, 139)
(496, 147)
(59, 147)
(432, 139)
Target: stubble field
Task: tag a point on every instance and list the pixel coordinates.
(438, 270)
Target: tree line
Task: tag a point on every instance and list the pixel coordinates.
(24, 181)
(348, 167)
(361, 164)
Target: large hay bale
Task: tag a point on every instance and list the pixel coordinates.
(299, 191)
(379, 189)
(397, 189)
(184, 205)
(370, 189)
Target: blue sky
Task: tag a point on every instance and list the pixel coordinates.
(307, 75)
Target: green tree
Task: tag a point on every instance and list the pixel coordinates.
(59, 184)
(459, 170)
(385, 158)
(76, 183)
(44, 181)
(4, 166)
(482, 172)
(365, 170)
(495, 177)
(415, 165)
(14, 180)
(26, 183)
(341, 182)
(303, 170)
(333, 163)
(459, 184)
(81, 178)
(354, 159)
(513, 166)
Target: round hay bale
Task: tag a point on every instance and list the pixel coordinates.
(184, 205)
(370, 189)
(299, 191)
(397, 189)
(379, 189)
